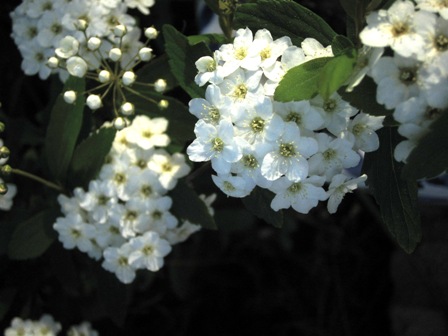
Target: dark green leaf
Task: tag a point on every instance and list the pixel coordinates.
(157, 68)
(34, 236)
(182, 59)
(7, 296)
(181, 121)
(259, 203)
(430, 157)
(301, 82)
(334, 74)
(214, 6)
(342, 46)
(396, 196)
(63, 129)
(284, 18)
(363, 97)
(88, 157)
(208, 39)
(188, 206)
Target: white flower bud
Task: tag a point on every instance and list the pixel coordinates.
(81, 25)
(76, 66)
(151, 33)
(93, 43)
(127, 109)
(68, 47)
(104, 76)
(120, 30)
(163, 104)
(120, 123)
(160, 85)
(69, 96)
(128, 78)
(115, 54)
(53, 62)
(94, 102)
(145, 54)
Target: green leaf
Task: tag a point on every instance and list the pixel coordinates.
(334, 74)
(208, 39)
(181, 121)
(259, 203)
(363, 97)
(284, 18)
(89, 155)
(214, 6)
(152, 71)
(34, 236)
(341, 45)
(430, 157)
(182, 59)
(302, 81)
(396, 196)
(188, 206)
(63, 129)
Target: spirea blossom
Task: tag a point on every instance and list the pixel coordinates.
(412, 80)
(124, 217)
(251, 140)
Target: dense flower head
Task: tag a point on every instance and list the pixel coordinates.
(42, 28)
(412, 80)
(124, 215)
(46, 326)
(251, 140)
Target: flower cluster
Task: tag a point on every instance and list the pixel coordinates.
(39, 25)
(294, 148)
(414, 80)
(46, 326)
(124, 216)
(7, 190)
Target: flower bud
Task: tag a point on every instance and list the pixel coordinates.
(94, 102)
(81, 25)
(76, 66)
(127, 109)
(163, 104)
(69, 96)
(4, 152)
(3, 189)
(160, 85)
(104, 76)
(120, 123)
(2, 127)
(145, 54)
(6, 170)
(151, 33)
(67, 47)
(93, 43)
(128, 78)
(115, 54)
(120, 30)
(53, 62)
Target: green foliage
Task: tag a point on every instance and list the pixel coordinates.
(34, 236)
(259, 203)
(208, 39)
(156, 69)
(63, 129)
(430, 157)
(182, 58)
(341, 45)
(396, 196)
(88, 157)
(188, 206)
(335, 73)
(284, 18)
(301, 82)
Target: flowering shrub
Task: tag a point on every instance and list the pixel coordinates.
(277, 110)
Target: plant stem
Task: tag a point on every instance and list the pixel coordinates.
(37, 178)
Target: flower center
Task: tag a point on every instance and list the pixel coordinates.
(240, 53)
(295, 187)
(441, 42)
(257, 124)
(249, 161)
(102, 200)
(157, 215)
(265, 53)
(240, 91)
(214, 114)
(32, 32)
(228, 186)
(146, 190)
(330, 105)
(56, 28)
(147, 134)
(329, 154)
(294, 117)
(120, 178)
(211, 66)
(400, 28)
(167, 167)
(141, 164)
(39, 57)
(433, 114)
(148, 250)
(408, 76)
(217, 145)
(287, 150)
(122, 261)
(130, 215)
(75, 233)
(47, 6)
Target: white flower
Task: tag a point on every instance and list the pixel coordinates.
(116, 260)
(270, 50)
(216, 144)
(242, 86)
(6, 200)
(50, 29)
(302, 195)
(74, 232)
(235, 186)
(141, 5)
(148, 133)
(209, 70)
(437, 6)
(314, 49)
(300, 113)
(340, 185)
(170, 168)
(148, 251)
(363, 128)
(83, 329)
(289, 156)
(98, 200)
(181, 233)
(434, 81)
(213, 108)
(367, 58)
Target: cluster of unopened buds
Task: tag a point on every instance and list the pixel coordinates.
(110, 64)
(7, 190)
